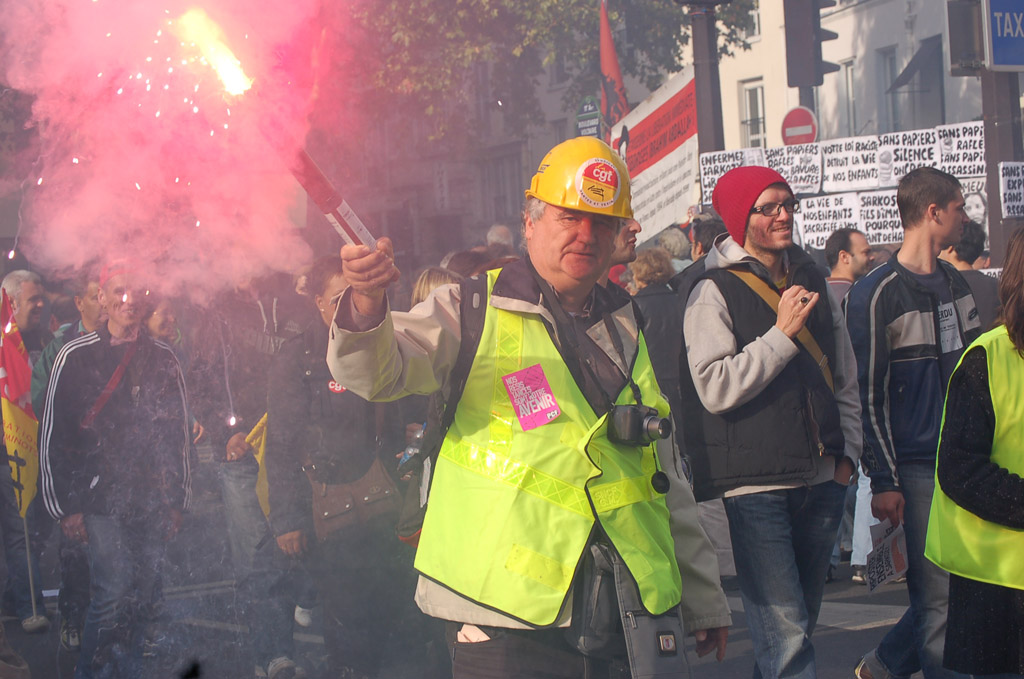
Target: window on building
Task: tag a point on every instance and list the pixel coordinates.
(752, 106)
(888, 70)
(755, 18)
(560, 130)
(502, 177)
(559, 73)
(482, 76)
(919, 86)
(849, 98)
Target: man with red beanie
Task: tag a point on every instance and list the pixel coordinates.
(774, 425)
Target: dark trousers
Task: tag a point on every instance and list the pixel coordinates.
(73, 600)
(366, 582)
(526, 654)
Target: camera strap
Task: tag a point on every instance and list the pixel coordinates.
(613, 334)
(567, 342)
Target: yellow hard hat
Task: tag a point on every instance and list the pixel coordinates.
(583, 174)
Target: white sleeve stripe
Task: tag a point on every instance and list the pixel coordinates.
(873, 410)
(46, 428)
(186, 447)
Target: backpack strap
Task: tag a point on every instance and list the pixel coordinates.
(805, 338)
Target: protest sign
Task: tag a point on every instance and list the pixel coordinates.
(800, 164)
(659, 141)
(962, 148)
(1011, 189)
(879, 217)
(713, 165)
(849, 164)
(975, 200)
(901, 152)
(820, 216)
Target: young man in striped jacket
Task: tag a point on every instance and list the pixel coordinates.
(909, 320)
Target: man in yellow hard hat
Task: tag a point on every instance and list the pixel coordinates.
(558, 513)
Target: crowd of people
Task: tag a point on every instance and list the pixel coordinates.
(530, 471)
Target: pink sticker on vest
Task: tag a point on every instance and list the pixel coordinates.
(531, 396)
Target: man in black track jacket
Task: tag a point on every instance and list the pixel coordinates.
(114, 459)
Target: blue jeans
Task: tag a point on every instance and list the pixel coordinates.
(845, 535)
(782, 541)
(261, 579)
(916, 642)
(16, 552)
(125, 559)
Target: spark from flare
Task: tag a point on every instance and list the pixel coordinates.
(194, 26)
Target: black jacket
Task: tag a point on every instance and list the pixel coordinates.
(311, 418)
(233, 345)
(134, 459)
(779, 434)
(662, 312)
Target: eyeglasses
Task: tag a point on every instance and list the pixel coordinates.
(772, 209)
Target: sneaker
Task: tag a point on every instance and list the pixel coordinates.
(860, 575)
(70, 636)
(35, 624)
(830, 576)
(303, 616)
(284, 668)
(862, 671)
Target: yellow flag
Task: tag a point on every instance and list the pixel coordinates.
(257, 438)
(20, 425)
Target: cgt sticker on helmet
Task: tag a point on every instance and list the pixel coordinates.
(597, 182)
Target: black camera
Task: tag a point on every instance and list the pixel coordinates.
(637, 425)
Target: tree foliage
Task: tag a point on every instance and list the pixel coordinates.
(423, 53)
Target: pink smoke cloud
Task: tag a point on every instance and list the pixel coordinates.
(145, 155)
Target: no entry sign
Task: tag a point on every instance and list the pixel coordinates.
(799, 127)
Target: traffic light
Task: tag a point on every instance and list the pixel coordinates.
(804, 35)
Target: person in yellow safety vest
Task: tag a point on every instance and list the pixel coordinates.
(976, 526)
(560, 535)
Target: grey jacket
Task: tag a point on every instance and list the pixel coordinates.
(726, 377)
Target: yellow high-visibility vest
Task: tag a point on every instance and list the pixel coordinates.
(511, 511)
(959, 541)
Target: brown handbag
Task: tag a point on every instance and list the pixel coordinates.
(340, 505)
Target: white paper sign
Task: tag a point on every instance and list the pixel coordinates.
(820, 216)
(976, 200)
(713, 165)
(800, 164)
(962, 149)
(879, 217)
(901, 152)
(849, 164)
(888, 560)
(1011, 189)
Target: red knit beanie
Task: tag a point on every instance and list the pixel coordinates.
(736, 192)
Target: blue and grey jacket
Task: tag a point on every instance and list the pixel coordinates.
(895, 334)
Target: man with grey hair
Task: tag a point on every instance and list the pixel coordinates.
(25, 290)
(675, 242)
(500, 241)
(536, 362)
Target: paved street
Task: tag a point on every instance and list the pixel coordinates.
(209, 629)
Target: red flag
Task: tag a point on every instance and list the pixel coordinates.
(20, 424)
(614, 104)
